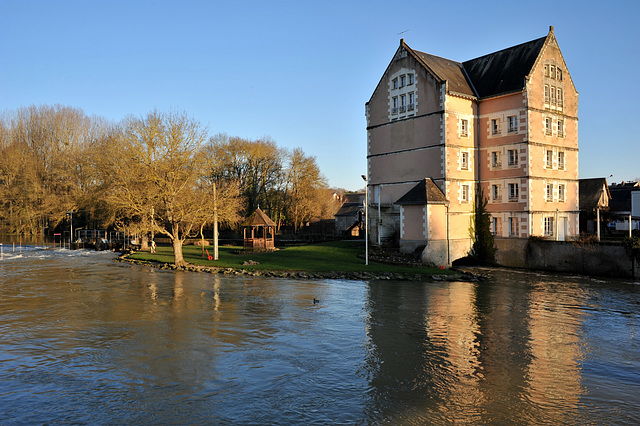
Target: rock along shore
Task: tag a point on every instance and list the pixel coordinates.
(461, 276)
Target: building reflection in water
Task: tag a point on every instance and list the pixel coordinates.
(441, 352)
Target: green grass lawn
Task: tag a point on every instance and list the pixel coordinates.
(336, 256)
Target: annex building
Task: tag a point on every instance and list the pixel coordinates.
(439, 130)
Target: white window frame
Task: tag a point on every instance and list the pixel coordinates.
(409, 79)
(548, 226)
(548, 126)
(464, 128)
(548, 159)
(395, 83)
(496, 192)
(495, 126)
(464, 160)
(559, 97)
(547, 95)
(561, 192)
(560, 128)
(513, 157)
(403, 80)
(514, 192)
(559, 73)
(513, 123)
(549, 193)
(464, 193)
(561, 160)
(496, 159)
(513, 227)
(412, 100)
(553, 95)
(394, 107)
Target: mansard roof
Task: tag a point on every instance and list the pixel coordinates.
(425, 192)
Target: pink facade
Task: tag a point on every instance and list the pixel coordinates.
(509, 130)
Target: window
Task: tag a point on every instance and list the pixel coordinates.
(561, 130)
(546, 70)
(546, 94)
(403, 80)
(559, 96)
(552, 71)
(496, 194)
(561, 160)
(513, 192)
(464, 160)
(513, 123)
(495, 225)
(496, 159)
(394, 110)
(549, 193)
(464, 128)
(549, 159)
(495, 127)
(513, 226)
(403, 103)
(410, 78)
(513, 157)
(561, 193)
(465, 194)
(548, 226)
(547, 126)
(559, 74)
(395, 83)
(411, 101)
(553, 95)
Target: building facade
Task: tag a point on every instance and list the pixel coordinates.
(505, 124)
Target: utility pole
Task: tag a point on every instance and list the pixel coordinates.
(215, 223)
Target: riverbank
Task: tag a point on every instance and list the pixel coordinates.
(332, 260)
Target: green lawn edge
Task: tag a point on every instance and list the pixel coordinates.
(328, 257)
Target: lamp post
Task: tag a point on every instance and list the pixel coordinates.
(70, 214)
(366, 220)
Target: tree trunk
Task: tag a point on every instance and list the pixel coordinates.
(144, 242)
(176, 242)
(177, 252)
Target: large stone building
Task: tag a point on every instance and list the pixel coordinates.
(438, 130)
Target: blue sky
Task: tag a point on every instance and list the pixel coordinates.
(300, 72)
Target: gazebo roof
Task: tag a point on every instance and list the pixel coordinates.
(259, 218)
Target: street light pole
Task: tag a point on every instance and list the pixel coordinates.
(366, 220)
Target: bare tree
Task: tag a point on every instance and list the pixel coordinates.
(158, 166)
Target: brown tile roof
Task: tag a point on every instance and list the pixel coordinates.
(425, 192)
(259, 218)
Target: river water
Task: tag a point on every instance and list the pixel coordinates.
(84, 339)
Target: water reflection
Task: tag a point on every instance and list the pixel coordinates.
(509, 350)
(83, 340)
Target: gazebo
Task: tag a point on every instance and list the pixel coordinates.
(261, 235)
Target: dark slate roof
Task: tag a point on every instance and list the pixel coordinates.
(621, 196)
(448, 70)
(425, 192)
(590, 192)
(489, 75)
(259, 218)
(503, 71)
(349, 209)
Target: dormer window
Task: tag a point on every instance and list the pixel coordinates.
(559, 74)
